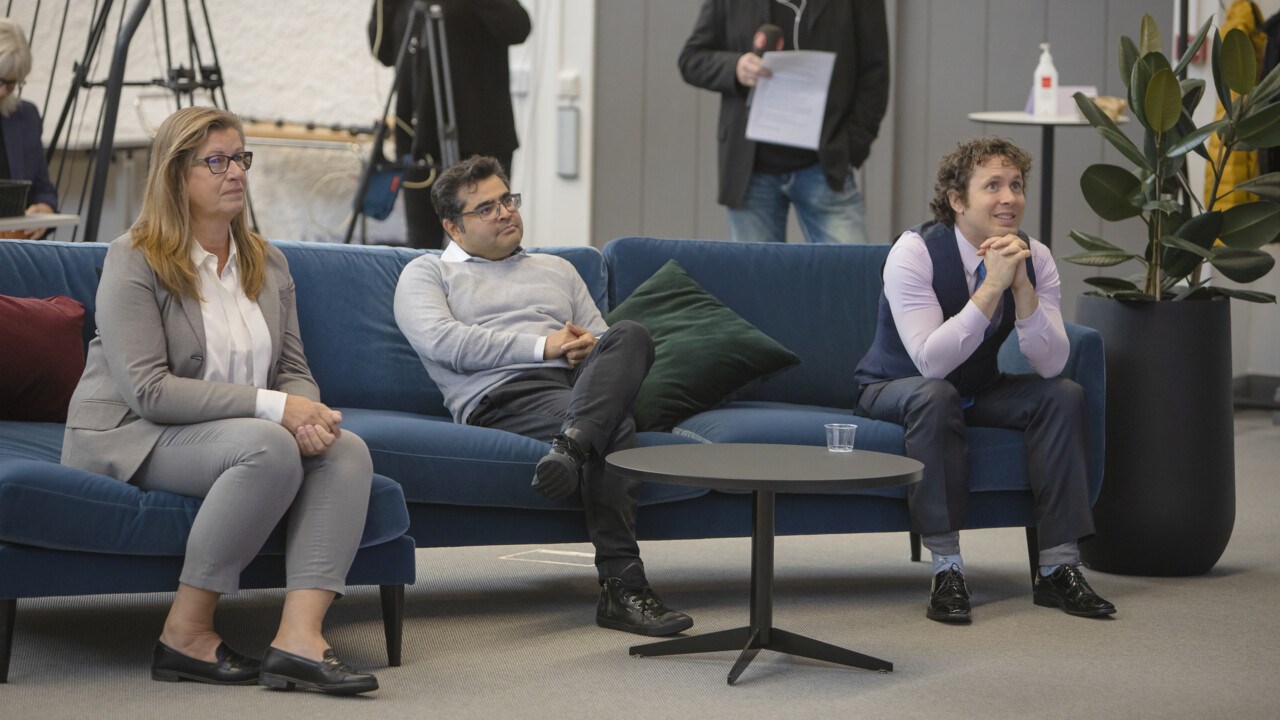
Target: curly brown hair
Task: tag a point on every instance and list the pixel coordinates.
(956, 169)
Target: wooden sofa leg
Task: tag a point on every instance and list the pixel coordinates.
(392, 620)
(8, 611)
(915, 546)
(1033, 551)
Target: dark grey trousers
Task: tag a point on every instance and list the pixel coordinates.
(596, 398)
(1050, 411)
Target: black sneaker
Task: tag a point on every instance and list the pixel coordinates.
(560, 470)
(1066, 588)
(949, 597)
(637, 610)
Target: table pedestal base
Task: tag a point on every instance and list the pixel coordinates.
(761, 634)
(751, 642)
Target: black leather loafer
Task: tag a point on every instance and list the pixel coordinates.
(949, 597)
(286, 671)
(637, 610)
(231, 668)
(559, 471)
(1066, 588)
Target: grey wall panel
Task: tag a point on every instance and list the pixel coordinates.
(670, 159)
(956, 80)
(712, 222)
(912, 53)
(617, 172)
(1075, 32)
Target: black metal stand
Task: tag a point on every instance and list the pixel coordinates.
(1046, 186)
(761, 634)
(425, 30)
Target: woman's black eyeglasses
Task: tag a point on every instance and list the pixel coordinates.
(219, 164)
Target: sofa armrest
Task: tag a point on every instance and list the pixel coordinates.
(1086, 364)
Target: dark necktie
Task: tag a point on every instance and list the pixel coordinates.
(981, 272)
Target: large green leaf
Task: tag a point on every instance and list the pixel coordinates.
(1138, 83)
(1188, 247)
(1193, 48)
(1261, 129)
(1267, 186)
(1168, 206)
(1149, 37)
(1242, 266)
(1128, 56)
(1164, 101)
(1215, 57)
(1196, 138)
(1108, 129)
(1100, 259)
(1093, 243)
(1192, 91)
(1202, 229)
(1112, 192)
(1251, 225)
(1239, 64)
(1111, 285)
(1267, 87)
(1247, 295)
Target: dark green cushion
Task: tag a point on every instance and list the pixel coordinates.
(704, 351)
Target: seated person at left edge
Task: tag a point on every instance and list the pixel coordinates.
(21, 154)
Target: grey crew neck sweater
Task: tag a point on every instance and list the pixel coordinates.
(476, 324)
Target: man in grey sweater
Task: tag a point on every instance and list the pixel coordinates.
(515, 343)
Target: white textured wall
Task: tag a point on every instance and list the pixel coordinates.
(309, 62)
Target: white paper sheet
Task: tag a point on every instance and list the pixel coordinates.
(787, 108)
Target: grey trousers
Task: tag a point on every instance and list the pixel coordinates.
(250, 474)
(1050, 411)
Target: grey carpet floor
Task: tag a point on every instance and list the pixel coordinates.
(508, 632)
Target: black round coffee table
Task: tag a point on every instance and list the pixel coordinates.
(764, 470)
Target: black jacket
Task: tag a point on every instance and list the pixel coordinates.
(478, 33)
(855, 30)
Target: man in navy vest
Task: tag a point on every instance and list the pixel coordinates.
(953, 291)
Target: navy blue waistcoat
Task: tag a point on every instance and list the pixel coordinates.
(888, 359)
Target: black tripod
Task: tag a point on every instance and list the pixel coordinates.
(425, 29)
(183, 80)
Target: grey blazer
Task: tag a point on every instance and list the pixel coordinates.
(145, 364)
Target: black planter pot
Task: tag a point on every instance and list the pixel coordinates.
(1168, 500)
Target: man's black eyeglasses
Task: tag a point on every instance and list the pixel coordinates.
(489, 211)
(219, 164)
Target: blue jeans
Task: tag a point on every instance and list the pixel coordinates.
(825, 216)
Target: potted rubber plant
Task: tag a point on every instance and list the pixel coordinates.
(1167, 505)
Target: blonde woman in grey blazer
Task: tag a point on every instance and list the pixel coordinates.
(196, 384)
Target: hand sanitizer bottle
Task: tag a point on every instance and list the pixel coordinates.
(1045, 91)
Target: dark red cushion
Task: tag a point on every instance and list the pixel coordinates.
(41, 357)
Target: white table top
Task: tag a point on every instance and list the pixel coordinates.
(38, 220)
(1017, 117)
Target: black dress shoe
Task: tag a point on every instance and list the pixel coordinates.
(1066, 588)
(560, 470)
(286, 671)
(230, 668)
(949, 597)
(637, 610)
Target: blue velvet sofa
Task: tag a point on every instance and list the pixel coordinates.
(470, 486)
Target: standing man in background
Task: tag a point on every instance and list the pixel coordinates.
(478, 33)
(758, 181)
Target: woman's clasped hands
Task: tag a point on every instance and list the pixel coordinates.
(314, 425)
